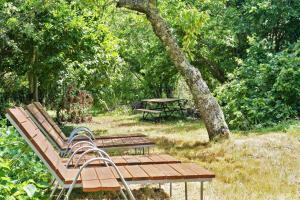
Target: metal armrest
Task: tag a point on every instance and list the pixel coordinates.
(86, 130)
(75, 152)
(105, 160)
(78, 136)
(100, 151)
(76, 144)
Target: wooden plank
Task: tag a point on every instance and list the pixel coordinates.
(89, 174)
(118, 160)
(125, 173)
(107, 142)
(36, 113)
(137, 172)
(131, 160)
(17, 115)
(149, 111)
(168, 171)
(185, 171)
(50, 120)
(145, 159)
(153, 172)
(166, 157)
(104, 173)
(156, 158)
(110, 184)
(67, 175)
(91, 185)
(199, 170)
(29, 128)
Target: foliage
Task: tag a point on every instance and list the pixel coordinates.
(57, 43)
(265, 89)
(115, 56)
(22, 175)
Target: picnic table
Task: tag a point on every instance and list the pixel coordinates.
(163, 107)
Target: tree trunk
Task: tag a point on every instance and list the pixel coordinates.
(205, 102)
(33, 78)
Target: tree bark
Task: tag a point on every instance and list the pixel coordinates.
(207, 105)
(33, 78)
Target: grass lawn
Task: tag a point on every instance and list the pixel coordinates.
(255, 165)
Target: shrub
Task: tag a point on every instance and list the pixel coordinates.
(22, 175)
(264, 90)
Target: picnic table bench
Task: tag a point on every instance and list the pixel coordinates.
(162, 107)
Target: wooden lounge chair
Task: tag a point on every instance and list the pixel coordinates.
(108, 177)
(48, 126)
(76, 159)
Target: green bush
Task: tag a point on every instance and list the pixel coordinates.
(22, 175)
(264, 90)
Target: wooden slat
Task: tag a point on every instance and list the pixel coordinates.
(156, 158)
(145, 159)
(199, 170)
(104, 173)
(36, 113)
(131, 160)
(169, 172)
(185, 171)
(91, 185)
(107, 142)
(118, 160)
(137, 172)
(110, 184)
(125, 173)
(149, 111)
(153, 172)
(168, 158)
(30, 128)
(17, 115)
(50, 120)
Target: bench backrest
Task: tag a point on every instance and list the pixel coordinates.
(50, 120)
(45, 125)
(39, 143)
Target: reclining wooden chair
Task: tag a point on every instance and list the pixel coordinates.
(49, 128)
(109, 177)
(73, 156)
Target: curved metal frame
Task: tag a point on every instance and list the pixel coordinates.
(131, 197)
(84, 129)
(76, 151)
(67, 152)
(77, 136)
(100, 151)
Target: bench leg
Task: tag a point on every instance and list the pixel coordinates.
(201, 191)
(60, 194)
(170, 189)
(185, 190)
(54, 189)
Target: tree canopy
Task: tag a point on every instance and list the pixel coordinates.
(246, 50)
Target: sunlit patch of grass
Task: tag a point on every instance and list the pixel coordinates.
(256, 165)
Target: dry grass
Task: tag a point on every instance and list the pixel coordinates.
(253, 166)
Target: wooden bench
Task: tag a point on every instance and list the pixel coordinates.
(147, 112)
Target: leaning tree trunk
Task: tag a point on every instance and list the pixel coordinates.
(205, 102)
